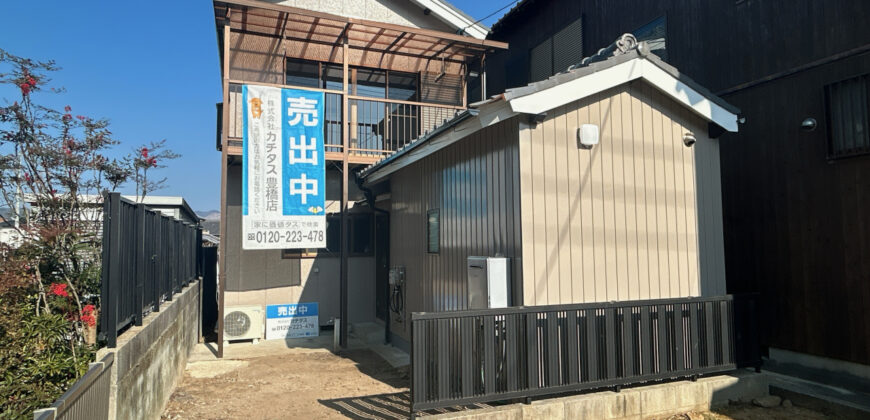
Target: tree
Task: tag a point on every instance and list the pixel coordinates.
(53, 172)
(146, 158)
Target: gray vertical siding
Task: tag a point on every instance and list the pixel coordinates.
(475, 185)
(711, 242)
(619, 221)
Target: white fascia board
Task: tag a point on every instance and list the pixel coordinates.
(489, 115)
(619, 74)
(689, 97)
(451, 17)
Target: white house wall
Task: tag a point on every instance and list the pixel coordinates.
(399, 12)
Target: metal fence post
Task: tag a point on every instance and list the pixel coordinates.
(111, 266)
(198, 246)
(414, 387)
(139, 297)
(157, 285)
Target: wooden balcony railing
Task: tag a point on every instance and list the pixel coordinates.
(376, 127)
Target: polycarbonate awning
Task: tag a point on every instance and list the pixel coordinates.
(314, 27)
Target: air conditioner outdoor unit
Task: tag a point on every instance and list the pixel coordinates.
(243, 323)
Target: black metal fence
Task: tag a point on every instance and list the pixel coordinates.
(147, 257)
(87, 399)
(466, 357)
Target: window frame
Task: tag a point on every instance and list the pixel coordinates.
(418, 79)
(831, 155)
(429, 214)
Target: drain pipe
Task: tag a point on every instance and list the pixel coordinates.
(370, 200)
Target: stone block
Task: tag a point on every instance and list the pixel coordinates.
(543, 410)
(657, 399)
(693, 396)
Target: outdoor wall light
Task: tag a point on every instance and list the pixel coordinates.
(689, 139)
(587, 136)
(809, 124)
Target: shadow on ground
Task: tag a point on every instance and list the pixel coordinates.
(384, 407)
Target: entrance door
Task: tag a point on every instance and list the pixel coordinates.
(382, 265)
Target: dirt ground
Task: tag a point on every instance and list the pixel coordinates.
(317, 384)
(746, 411)
(307, 385)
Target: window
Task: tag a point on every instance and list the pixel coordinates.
(655, 35)
(437, 88)
(302, 73)
(360, 227)
(332, 76)
(556, 54)
(402, 86)
(443, 89)
(848, 116)
(433, 231)
(369, 82)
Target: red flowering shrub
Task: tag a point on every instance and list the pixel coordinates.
(88, 316)
(58, 289)
(50, 283)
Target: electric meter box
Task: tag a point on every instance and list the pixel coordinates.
(489, 282)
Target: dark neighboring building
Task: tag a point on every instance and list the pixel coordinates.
(795, 178)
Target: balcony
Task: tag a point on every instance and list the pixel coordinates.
(376, 127)
(396, 81)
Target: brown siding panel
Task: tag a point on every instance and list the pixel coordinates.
(617, 222)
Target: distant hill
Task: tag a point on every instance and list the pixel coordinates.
(212, 221)
(209, 214)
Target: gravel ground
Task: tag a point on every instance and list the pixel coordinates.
(303, 385)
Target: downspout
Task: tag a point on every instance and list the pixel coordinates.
(370, 200)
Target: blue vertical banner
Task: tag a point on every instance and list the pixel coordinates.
(304, 172)
(283, 170)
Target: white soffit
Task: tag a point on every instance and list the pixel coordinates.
(564, 93)
(453, 17)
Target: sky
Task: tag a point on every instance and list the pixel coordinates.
(150, 68)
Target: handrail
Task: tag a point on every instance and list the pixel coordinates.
(401, 102)
(349, 96)
(557, 308)
(278, 85)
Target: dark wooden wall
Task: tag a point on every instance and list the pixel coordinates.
(797, 226)
(719, 43)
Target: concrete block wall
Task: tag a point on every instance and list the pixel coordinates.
(150, 360)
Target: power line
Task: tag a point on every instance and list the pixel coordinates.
(491, 14)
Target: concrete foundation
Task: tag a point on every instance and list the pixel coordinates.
(150, 360)
(653, 401)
